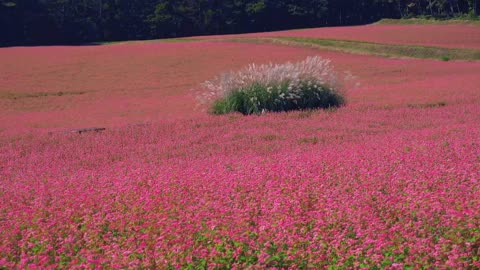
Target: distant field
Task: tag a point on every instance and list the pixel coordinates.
(117, 84)
(67, 87)
(448, 36)
(391, 180)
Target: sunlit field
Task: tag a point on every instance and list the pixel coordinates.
(390, 180)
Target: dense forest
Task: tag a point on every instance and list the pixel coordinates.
(29, 22)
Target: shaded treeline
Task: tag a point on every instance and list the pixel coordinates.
(78, 21)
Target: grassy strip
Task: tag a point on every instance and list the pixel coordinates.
(428, 105)
(9, 95)
(379, 49)
(421, 21)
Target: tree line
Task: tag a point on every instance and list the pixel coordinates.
(32, 22)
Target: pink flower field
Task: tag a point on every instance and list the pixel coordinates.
(389, 181)
(58, 88)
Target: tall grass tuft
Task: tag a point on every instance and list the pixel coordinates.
(256, 89)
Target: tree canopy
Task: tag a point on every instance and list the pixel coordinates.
(30, 22)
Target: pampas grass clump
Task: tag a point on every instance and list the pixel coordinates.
(309, 84)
